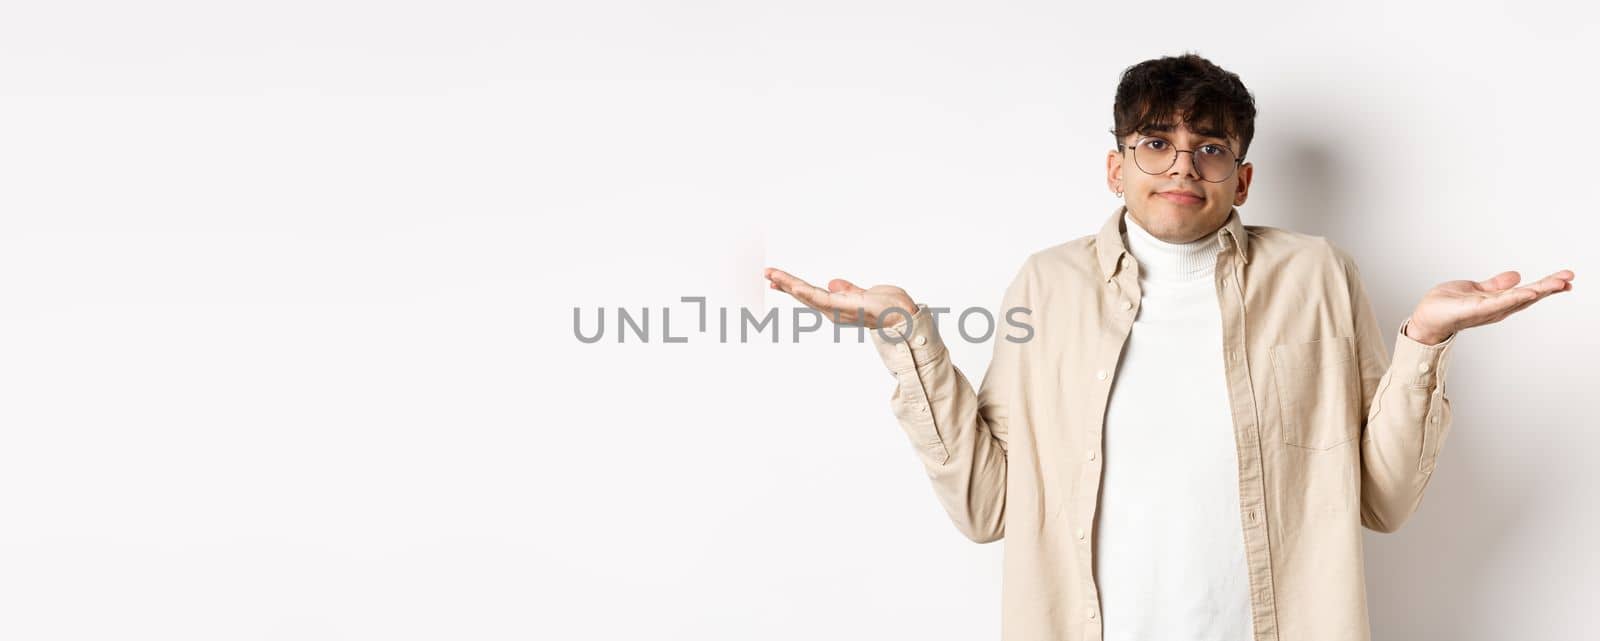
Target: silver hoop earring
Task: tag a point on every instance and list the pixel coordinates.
(1119, 193)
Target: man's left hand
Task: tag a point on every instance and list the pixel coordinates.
(1460, 304)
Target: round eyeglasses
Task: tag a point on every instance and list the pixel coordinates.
(1213, 162)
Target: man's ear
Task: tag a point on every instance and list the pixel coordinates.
(1242, 190)
(1114, 171)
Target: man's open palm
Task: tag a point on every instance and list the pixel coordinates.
(844, 302)
(1459, 304)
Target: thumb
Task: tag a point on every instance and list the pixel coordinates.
(1500, 281)
(842, 285)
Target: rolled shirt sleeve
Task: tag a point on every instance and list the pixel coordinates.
(959, 432)
(1406, 414)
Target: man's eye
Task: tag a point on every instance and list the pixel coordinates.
(1156, 144)
(1211, 150)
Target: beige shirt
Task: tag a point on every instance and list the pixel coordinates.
(1334, 433)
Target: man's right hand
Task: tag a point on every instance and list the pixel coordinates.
(843, 302)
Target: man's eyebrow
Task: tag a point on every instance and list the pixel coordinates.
(1167, 127)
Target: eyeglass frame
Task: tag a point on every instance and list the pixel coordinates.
(1237, 162)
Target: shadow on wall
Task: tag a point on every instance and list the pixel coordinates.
(1427, 580)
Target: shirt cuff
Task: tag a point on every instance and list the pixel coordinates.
(910, 342)
(1418, 363)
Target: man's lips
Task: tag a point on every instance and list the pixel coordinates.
(1181, 197)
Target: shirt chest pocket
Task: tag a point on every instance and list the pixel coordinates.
(1318, 392)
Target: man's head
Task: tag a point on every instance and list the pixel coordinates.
(1198, 117)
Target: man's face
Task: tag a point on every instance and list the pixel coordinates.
(1176, 205)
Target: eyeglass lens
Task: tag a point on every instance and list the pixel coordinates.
(1213, 162)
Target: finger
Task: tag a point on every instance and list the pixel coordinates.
(1547, 285)
(1564, 275)
(1515, 300)
(1499, 281)
(842, 285)
(813, 296)
(1519, 307)
(784, 280)
(1560, 287)
(1566, 284)
(1506, 301)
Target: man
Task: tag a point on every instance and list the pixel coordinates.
(1207, 414)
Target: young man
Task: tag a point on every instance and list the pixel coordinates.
(1206, 415)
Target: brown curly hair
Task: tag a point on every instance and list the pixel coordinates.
(1205, 97)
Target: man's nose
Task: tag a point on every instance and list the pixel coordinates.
(1183, 165)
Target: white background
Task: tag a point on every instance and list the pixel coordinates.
(286, 294)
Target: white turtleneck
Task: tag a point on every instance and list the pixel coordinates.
(1169, 545)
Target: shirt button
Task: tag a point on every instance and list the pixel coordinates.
(1436, 418)
(1091, 455)
(1091, 615)
(1080, 534)
(1100, 375)
(1127, 304)
(921, 340)
(1422, 367)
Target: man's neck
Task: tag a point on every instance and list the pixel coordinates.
(1161, 260)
